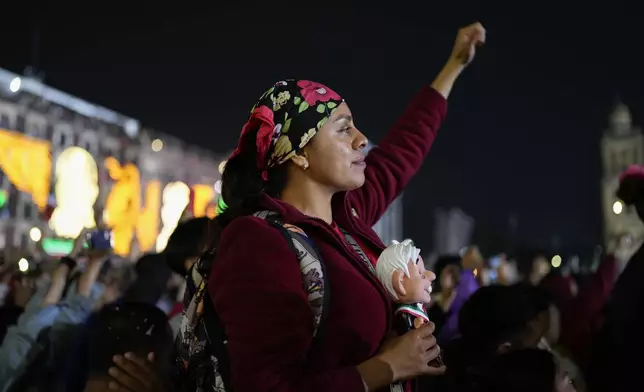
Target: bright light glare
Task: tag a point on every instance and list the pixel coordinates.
(157, 145)
(76, 191)
(23, 265)
(556, 261)
(176, 196)
(218, 186)
(15, 84)
(222, 166)
(618, 207)
(35, 234)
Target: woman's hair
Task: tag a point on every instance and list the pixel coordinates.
(188, 240)
(525, 370)
(242, 184)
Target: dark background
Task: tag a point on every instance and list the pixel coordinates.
(522, 135)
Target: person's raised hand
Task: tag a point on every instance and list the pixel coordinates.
(23, 290)
(135, 374)
(410, 355)
(467, 39)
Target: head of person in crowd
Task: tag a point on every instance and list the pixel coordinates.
(540, 268)
(450, 277)
(471, 258)
(497, 319)
(116, 280)
(631, 188)
(115, 330)
(186, 243)
(152, 276)
(525, 370)
(301, 142)
(448, 270)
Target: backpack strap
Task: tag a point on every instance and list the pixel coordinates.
(314, 281)
(359, 251)
(314, 278)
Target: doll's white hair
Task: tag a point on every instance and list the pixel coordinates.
(395, 257)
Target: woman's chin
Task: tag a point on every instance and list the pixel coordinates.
(356, 182)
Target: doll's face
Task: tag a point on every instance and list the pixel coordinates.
(417, 287)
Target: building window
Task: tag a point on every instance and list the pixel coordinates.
(28, 212)
(626, 158)
(8, 116)
(36, 126)
(614, 163)
(89, 141)
(63, 135)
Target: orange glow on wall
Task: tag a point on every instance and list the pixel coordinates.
(123, 208)
(123, 204)
(202, 196)
(211, 211)
(27, 163)
(148, 223)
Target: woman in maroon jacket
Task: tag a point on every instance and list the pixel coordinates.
(301, 155)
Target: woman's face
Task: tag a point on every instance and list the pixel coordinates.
(336, 155)
(446, 281)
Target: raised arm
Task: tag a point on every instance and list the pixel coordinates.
(398, 157)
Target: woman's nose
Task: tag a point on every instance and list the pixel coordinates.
(360, 141)
(430, 275)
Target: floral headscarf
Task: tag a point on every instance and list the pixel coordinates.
(286, 118)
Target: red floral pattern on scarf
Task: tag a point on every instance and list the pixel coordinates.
(313, 92)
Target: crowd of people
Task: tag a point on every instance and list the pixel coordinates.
(283, 290)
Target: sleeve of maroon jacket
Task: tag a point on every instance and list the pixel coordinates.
(256, 287)
(399, 155)
(583, 313)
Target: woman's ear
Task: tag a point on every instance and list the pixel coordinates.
(300, 160)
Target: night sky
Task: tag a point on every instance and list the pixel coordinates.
(522, 134)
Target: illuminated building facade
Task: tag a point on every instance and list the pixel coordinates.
(622, 144)
(65, 163)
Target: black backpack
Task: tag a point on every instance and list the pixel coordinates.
(201, 356)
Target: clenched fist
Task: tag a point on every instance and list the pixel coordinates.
(467, 40)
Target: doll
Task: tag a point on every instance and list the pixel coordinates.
(402, 272)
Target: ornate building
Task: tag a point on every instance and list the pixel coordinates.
(60, 154)
(622, 144)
